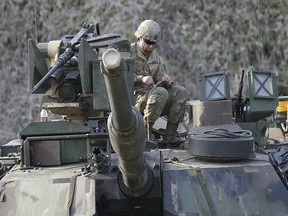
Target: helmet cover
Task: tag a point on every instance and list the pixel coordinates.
(149, 30)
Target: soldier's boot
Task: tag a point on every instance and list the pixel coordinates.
(170, 134)
(148, 130)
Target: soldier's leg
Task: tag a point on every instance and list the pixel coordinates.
(155, 103)
(141, 101)
(175, 109)
(150, 103)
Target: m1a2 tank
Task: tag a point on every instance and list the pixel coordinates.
(96, 160)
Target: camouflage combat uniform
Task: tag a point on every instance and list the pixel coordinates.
(154, 102)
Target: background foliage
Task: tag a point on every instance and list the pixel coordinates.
(197, 37)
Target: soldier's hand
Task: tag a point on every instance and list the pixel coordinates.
(168, 81)
(147, 80)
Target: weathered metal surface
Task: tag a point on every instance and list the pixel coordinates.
(47, 191)
(207, 113)
(245, 187)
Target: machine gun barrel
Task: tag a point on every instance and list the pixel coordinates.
(63, 58)
(240, 90)
(238, 102)
(126, 127)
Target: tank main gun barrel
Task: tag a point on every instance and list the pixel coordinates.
(126, 128)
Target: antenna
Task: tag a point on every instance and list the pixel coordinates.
(35, 21)
(258, 32)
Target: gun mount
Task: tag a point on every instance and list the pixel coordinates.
(74, 80)
(95, 160)
(252, 113)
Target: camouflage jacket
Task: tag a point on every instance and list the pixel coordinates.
(146, 67)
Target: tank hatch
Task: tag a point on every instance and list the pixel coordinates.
(222, 142)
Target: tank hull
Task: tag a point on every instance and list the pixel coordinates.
(190, 187)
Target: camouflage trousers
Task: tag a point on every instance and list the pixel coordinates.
(157, 101)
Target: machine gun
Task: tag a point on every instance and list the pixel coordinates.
(68, 54)
(75, 79)
(238, 102)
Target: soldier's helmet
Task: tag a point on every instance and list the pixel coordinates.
(149, 30)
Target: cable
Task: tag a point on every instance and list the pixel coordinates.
(220, 132)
